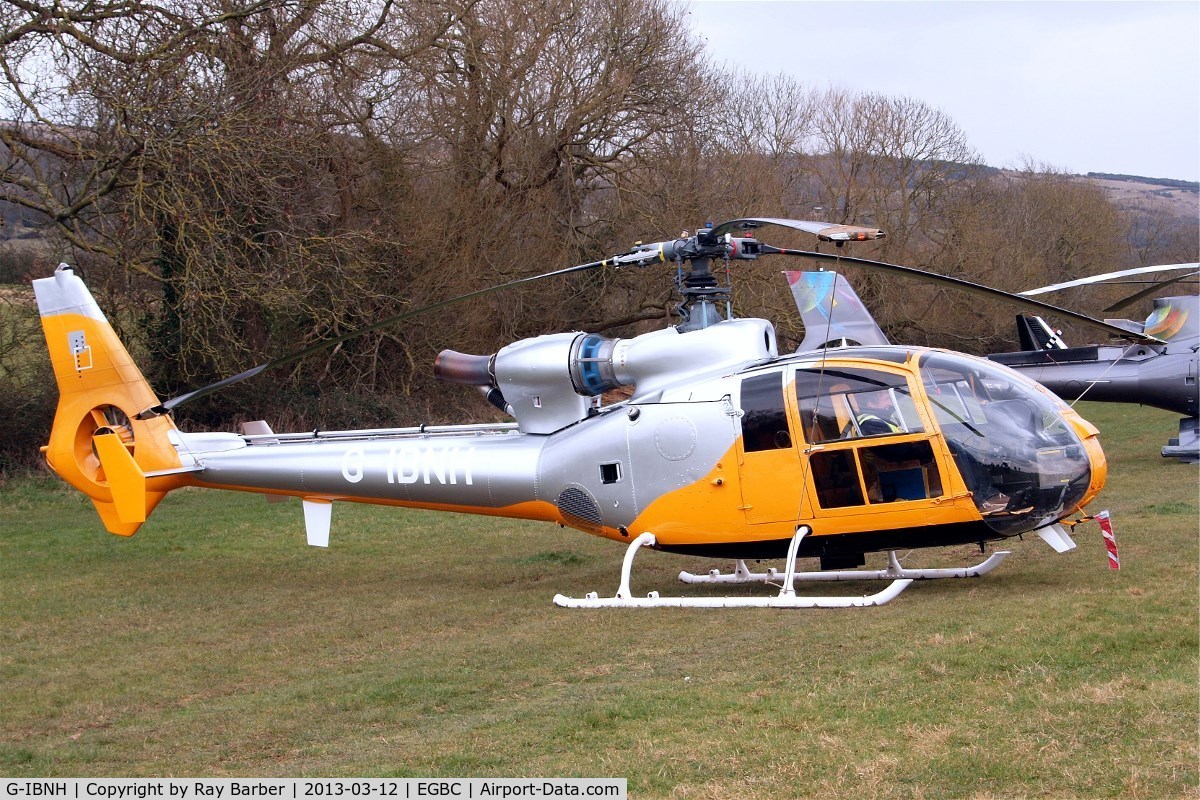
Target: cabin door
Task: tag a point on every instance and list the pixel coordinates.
(771, 479)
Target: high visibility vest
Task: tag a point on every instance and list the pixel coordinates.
(865, 418)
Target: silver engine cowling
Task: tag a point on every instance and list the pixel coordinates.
(550, 382)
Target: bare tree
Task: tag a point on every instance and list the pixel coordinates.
(1017, 231)
(535, 113)
(210, 149)
(888, 161)
(1160, 237)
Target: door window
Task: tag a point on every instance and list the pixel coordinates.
(836, 477)
(764, 416)
(853, 404)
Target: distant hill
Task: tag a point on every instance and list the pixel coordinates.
(1134, 193)
(1170, 183)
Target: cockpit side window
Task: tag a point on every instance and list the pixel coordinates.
(905, 471)
(764, 415)
(854, 403)
(835, 475)
(890, 473)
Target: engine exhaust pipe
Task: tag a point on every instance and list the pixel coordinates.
(463, 368)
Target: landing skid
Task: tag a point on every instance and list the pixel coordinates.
(787, 597)
(742, 575)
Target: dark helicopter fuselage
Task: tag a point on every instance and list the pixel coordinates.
(1165, 376)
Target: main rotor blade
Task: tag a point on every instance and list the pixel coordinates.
(175, 402)
(825, 231)
(967, 286)
(1155, 289)
(1111, 275)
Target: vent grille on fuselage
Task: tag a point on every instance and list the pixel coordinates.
(579, 509)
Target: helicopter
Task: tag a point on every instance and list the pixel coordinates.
(723, 447)
(1164, 376)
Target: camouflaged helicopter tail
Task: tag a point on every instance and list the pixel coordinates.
(97, 444)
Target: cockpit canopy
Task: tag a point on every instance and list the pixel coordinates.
(1024, 465)
(1009, 440)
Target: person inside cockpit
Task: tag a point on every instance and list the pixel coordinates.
(874, 414)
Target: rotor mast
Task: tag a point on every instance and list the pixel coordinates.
(702, 295)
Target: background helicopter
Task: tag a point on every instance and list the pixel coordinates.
(723, 448)
(1160, 375)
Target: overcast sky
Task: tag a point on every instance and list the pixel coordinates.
(1080, 86)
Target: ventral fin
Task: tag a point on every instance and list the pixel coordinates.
(318, 514)
(125, 478)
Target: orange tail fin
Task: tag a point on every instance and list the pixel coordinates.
(97, 444)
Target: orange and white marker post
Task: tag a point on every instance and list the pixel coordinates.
(1110, 539)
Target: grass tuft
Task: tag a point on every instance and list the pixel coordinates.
(553, 558)
(1173, 507)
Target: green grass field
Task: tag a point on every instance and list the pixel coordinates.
(215, 643)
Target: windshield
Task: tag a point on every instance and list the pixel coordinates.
(1022, 463)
